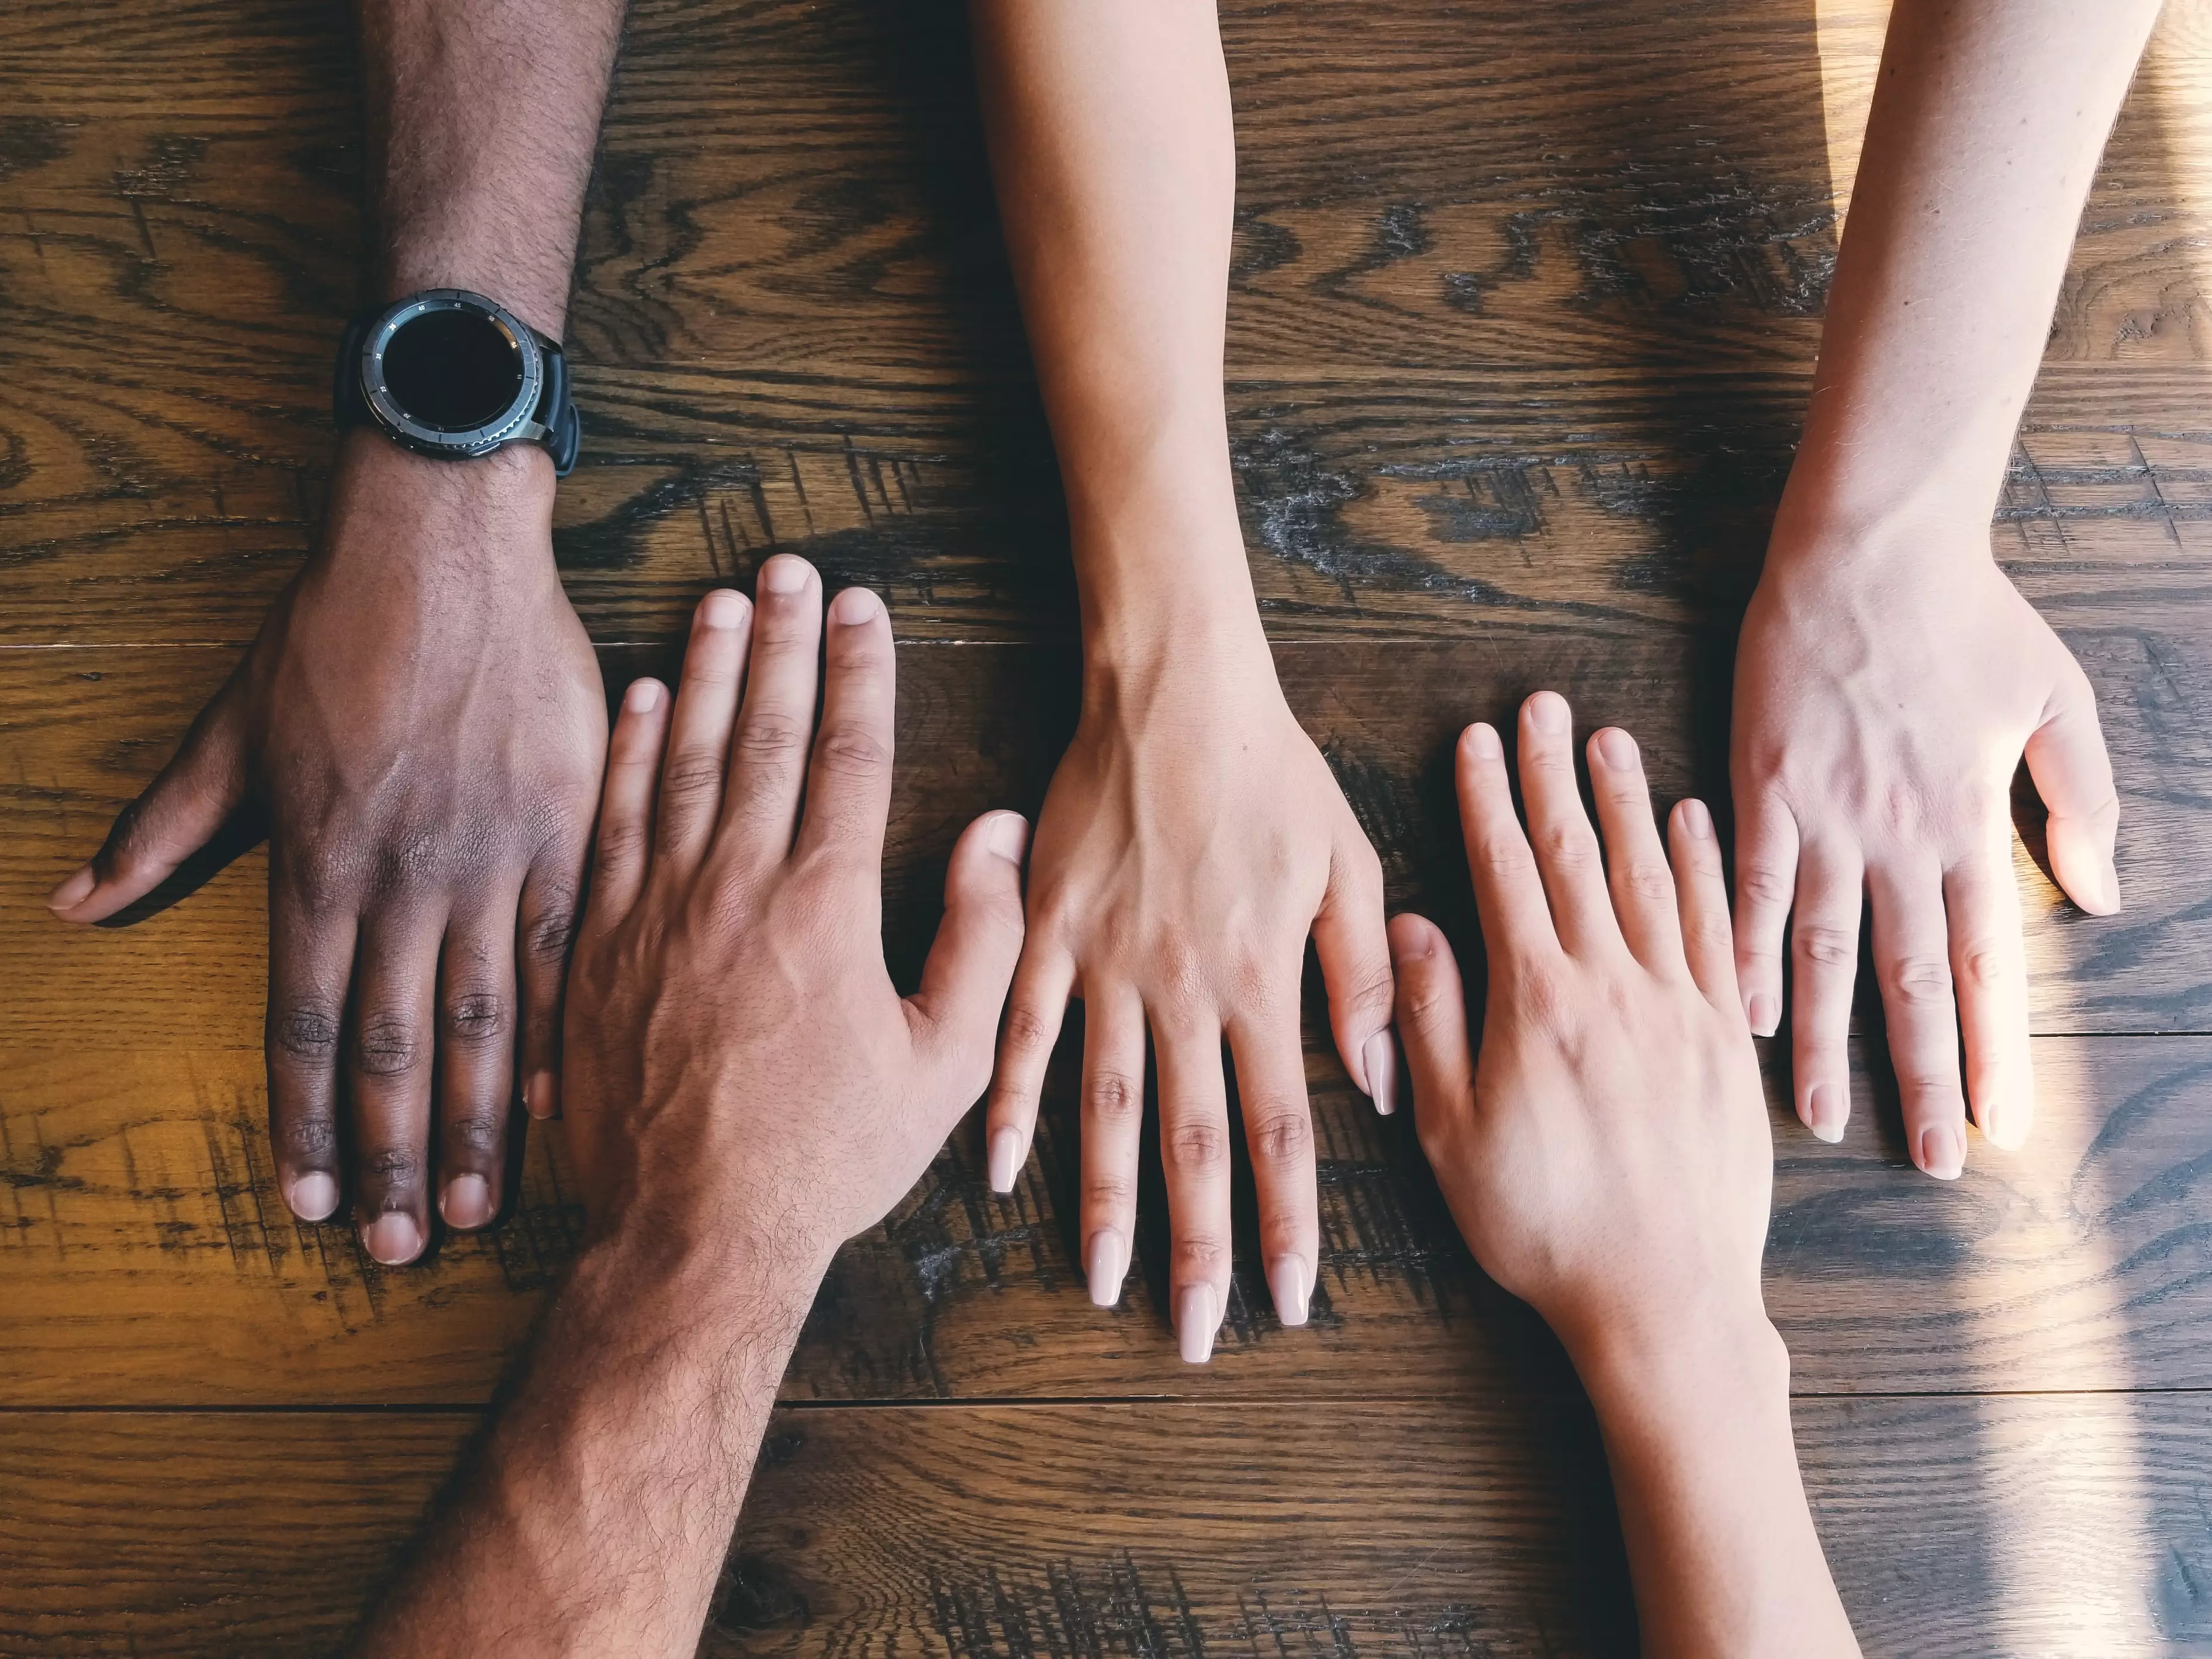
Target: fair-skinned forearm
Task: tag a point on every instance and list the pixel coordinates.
(1987, 119)
(597, 1516)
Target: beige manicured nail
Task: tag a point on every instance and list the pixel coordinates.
(1195, 1319)
(1105, 1264)
(314, 1196)
(1943, 1151)
(393, 1239)
(73, 891)
(1005, 1159)
(467, 1201)
(1379, 1059)
(1286, 1283)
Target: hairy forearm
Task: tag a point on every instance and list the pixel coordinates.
(482, 118)
(1114, 155)
(1721, 1545)
(1987, 119)
(595, 1516)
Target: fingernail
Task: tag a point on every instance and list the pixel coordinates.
(1826, 1110)
(783, 575)
(1105, 1264)
(1942, 1150)
(1005, 1159)
(312, 1196)
(642, 697)
(2108, 891)
(393, 1238)
(1482, 741)
(722, 609)
(1618, 747)
(1194, 1322)
(467, 1201)
(1008, 836)
(1547, 712)
(73, 891)
(1763, 1014)
(1379, 1059)
(1412, 943)
(1286, 1283)
(854, 606)
(541, 1096)
(1697, 820)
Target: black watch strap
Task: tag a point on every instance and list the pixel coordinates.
(554, 423)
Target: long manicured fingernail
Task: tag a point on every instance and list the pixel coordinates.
(1005, 1159)
(1379, 1058)
(723, 608)
(1697, 820)
(74, 891)
(312, 1196)
(1762, 1013)
(1548, 712)
(783, 574)
(467, 1201)
(393, 1238)
(1195, 1319)
(1008, 836)
(1105, 1264)
(541, 1096)
(1826, 1110)
(1943, 1151)
(1286, 1283)
(1618, 747)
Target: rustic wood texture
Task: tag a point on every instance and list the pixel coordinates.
(1523, 316)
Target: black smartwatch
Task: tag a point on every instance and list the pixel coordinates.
(450, 373)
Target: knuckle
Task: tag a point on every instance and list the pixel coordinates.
(1568, 846)
(306, 1138)
(1198, 1258)
(1505, 858)
(1112, 1100)
(849, 749)
(1372, 991)
(1281, 1135)
(548, 931)
(1425, 1007)
(621, 841)
(771, 742)
(479, 1130)
(391, 1167)
(1829, 947)
(1111, 1193)
(1197, 1149)
(306, 1034)
(1983, 964)
(477, 1017)
(1029, 1033)
(1542, 1004)
(1650, 881)
(387, 1045)
(1920, 981)
(1758, 884)
(686, 776)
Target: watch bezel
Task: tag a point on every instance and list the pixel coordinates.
(511, 422)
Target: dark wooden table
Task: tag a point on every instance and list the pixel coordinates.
(1524, 307)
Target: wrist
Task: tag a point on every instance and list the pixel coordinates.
(1672, 1375)
(391, 504)
(730, 1294)
(1852, 502)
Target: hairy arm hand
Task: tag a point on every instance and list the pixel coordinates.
(746, 1090)
(1609, 1160)
(419, 723)
(1193, 837)
(1890, 678)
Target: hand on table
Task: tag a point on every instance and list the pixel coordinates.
(1882, 706)
(420, 723)
(1192, 839)
(738, 1063)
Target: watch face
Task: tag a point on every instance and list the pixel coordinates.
(452, 370)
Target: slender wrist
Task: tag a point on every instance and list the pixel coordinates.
(1669, 1377)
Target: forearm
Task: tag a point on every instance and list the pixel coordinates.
(1721, 1545)
(1114, 155)
(595, 1518)
(482, 118)
(1989, 117)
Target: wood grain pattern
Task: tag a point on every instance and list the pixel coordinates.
(2048, 1525)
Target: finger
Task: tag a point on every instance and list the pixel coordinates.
(544, 931)
(1509, 894)
(1990, 963)
(2073, 773)
(1355, 966)
(178, 812)
(476, 1013)
(776, 727)
(1269, 1050)
(1194, 1157)
(1636, 873)
(1038, 1004)
(1913, 962)
(388, 1068)
(310, 950)
(963, 982)
(1823, 967)
(848, 782)
(1113, 1130)
(623, 852)
(1765, 883)
(1701, 894)
(698, 753)
(1559, 830)
(1431, 1020)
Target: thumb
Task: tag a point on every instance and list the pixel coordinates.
(964, 983)
(2073, 773)
(1431, 1019)
(179, 813)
